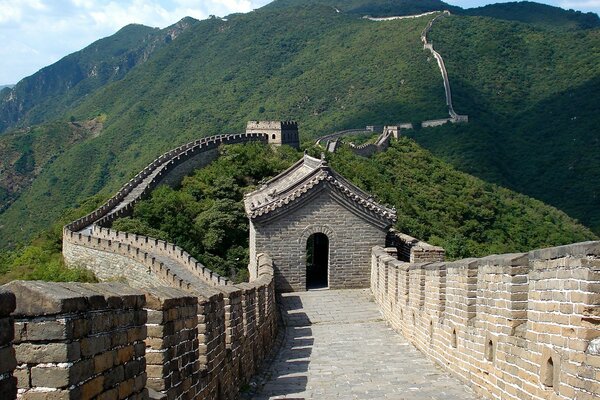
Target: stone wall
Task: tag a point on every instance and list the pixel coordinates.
(407, 248)
(8, 362)
(110, 341)
(350, 241)
(76, 341)
(515, 326)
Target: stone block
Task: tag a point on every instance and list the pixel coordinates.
(30, 353)
(58, 376)
(23, 377)
(114, 377)
(48, 330)
(131, 298)
(93, 345)
(35, 298)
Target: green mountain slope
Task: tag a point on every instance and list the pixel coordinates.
(51, 91)
(331, 70)
(374, 8)
(24, 153)
(533, 97)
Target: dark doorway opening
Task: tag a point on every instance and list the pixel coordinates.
(317, 261)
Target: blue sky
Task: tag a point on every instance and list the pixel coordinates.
(36, 33)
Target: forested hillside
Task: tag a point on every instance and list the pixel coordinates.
(50, 92)
(468, 217)
(530, 90)
(532, 95)
(329, 72)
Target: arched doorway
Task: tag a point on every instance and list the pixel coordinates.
(317, 261)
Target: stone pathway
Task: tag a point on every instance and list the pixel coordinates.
(338, 347)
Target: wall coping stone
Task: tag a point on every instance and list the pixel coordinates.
(581, 250)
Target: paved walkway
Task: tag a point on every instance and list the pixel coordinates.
(338, 347)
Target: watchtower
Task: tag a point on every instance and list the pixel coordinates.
(317, 227)
(280, 132)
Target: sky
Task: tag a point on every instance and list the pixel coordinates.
(37, 33)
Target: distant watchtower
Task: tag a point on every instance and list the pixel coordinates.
(280, 132)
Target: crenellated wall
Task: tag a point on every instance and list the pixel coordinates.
(513, 326)
(111, 341)
(235, 325)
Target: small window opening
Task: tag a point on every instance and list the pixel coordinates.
(273, 137)
(489, 350)
(548, 373)
(453, 340)
(431, 330)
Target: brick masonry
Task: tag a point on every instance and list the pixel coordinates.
(76, 341)
(110, 341)
(514, 326)
(349, 253)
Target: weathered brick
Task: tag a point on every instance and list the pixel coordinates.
(30, 353)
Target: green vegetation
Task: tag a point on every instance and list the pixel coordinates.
(206, 215)
(463, 214)
(42, 258)
(530, 89)
(540, 15)
(435, 202)
(532, 96)
(374, 8)
(329, 72)
(25, 152)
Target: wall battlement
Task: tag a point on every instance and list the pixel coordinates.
(279, 132)
(236, 323)
(513, 326)
(108, 340)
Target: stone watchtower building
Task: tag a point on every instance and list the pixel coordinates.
(280, 132)
(318, 228)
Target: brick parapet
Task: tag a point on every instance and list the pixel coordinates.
(172, 348)
(515, 326)
(414, 250)
(76, 341)
(121, 204)
(79, 340)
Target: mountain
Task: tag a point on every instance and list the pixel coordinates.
(49, 92)
(540, 15)
(25, 152)
(532, 96)
(332, 70)
(5, 87)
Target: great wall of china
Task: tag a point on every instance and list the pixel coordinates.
(331, 142)
(515, 326)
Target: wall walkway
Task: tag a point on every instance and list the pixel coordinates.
(338, 347)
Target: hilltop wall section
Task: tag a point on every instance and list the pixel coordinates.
(513, 326)
(235, 324)
(454, 117)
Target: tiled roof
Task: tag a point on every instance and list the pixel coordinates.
(305, 176)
